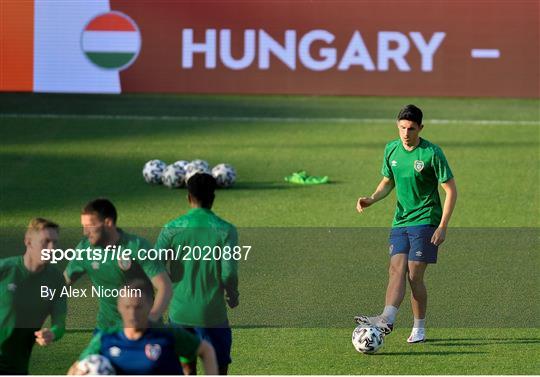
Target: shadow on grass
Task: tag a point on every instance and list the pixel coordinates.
(79, 331)
(481, 341)
(257, 327)
(262, 186)
(433, 353)
(274, 186)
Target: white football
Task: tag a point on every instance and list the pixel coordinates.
(201, 164)
(367, 339)
(153, 171)
(95, 365)
(197, 166)
(174, 175)
(224, 174)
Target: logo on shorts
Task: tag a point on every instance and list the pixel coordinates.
(419, 253)
(391, 248)
(115, 351)
(418, 165)
(124, 264)
(12, 287)
(152, 351)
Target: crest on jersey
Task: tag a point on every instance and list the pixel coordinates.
(152, 351)
(124, 264)
(418, 165)
(115, 351)
(95, 265)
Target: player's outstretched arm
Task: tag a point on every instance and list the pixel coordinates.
(72, 273)
(383, 189)
(44, 337)
(208, 357)
(58, 313)
(450, 189)
(162, 284)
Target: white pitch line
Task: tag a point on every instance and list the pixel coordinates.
(258, 119)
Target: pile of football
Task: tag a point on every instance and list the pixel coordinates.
(178, 173)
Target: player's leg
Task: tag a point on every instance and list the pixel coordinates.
(395, 291)
(418, 300)
(221, 339)
(418, 288)
(397, 272)
(422, 253)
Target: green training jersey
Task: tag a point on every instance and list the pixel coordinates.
(113, 274)
(199, 285)
(416, 174)
(23, 311)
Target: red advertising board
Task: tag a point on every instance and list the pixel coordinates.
(420, 48)
(364, 47)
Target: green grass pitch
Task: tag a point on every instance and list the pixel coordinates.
(315, 262)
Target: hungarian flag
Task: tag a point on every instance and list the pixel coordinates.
(111, 40)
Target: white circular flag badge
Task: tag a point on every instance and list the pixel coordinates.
(111, 41)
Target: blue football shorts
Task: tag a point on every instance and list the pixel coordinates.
(415, 241)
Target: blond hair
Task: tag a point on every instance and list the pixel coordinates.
(39, 223)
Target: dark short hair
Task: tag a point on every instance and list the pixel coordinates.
(202, 186)
(101, 207)
(412, 113)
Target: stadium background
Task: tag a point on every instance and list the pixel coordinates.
(316, 262)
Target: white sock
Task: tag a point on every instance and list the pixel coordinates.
(390, 313)
(419, 323)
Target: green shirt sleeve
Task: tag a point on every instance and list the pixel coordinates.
(3, 268)
(93, 348)
(164, 240)
(150, 267)
(58, 314)
(385, 170)
(441, 167)
(229, 268)
(75, 268)
(186, 345)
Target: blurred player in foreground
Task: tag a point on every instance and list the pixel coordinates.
(98, 219)
(415, 167)
(22, 308)
(139, 349)
(202, 288)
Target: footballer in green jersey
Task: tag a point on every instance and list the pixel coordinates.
(202, 287)
(24, 302)
(98, 219)
(414, 167)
